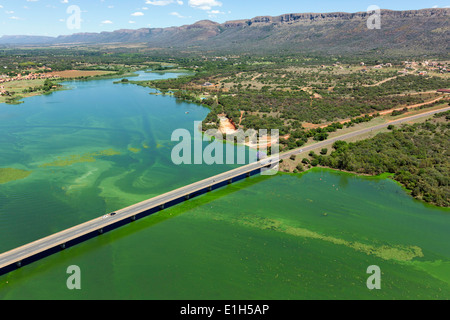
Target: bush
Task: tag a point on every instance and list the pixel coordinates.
(340, 145)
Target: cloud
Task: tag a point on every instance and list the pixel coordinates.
(137, 14)
(107, 22)
(204, 4)
(176, 14)
(163, 2)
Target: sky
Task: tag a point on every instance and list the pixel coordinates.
(62, 17)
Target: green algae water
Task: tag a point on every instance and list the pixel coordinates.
(80, 153)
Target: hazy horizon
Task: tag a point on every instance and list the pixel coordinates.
(55, 18)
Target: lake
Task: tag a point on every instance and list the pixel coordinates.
(99, 147)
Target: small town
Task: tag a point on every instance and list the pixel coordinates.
(24, 77)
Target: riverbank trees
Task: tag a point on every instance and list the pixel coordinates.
(417, 155)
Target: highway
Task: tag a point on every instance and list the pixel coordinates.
(16, 256)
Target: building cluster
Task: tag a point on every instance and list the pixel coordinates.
(205, 58)
(435, 66)
(31, 76)
(410, 67)
(20, 77)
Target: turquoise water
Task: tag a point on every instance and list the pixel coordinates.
(99, 147)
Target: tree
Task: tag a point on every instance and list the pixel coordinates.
(340, 145)
(321, 136)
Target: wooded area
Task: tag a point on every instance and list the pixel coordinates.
(417, 155)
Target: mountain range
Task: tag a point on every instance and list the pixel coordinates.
(423, 31)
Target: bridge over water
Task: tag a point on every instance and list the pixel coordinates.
(39, 249)
(67, 238)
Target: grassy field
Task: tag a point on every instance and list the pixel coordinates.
(19, 86)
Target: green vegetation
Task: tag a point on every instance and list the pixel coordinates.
(22, 61)
(14, 100)
(283, 92)
(417, 155)
(48, 86)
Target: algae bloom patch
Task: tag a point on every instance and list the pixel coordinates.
(11, 174)
(134, 150)
(87, 157)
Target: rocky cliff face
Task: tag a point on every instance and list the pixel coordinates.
(336, 16)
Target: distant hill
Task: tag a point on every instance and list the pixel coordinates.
(407, 32)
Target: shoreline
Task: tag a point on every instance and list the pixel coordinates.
(381, 176)
(20, 96)
(250, 146)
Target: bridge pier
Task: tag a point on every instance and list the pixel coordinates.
(133, 218)
(186, 197)
(100, 231)
(248, 174)
(63, 246)
(161, 207)
(209, 189)
(19, 264)
(230, 181)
